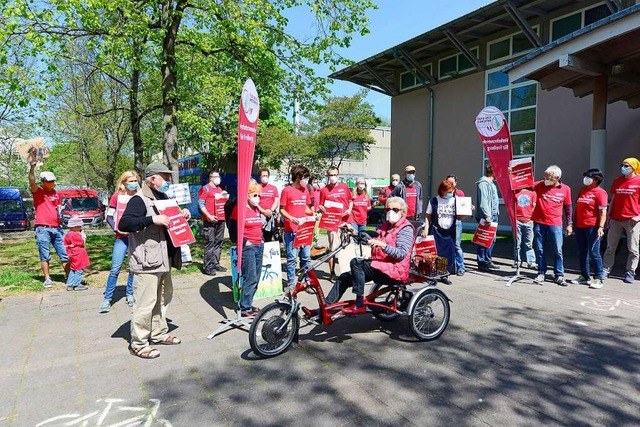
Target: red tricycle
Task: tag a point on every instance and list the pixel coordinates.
(275, 327)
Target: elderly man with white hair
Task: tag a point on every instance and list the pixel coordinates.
(554, 198)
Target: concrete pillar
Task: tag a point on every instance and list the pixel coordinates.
(598, 145)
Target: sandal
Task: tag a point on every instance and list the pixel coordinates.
(146, 352)
(169, 340)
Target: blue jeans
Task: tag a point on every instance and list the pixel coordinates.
(358, 228)
(117, 258)
(251, 269)
(525, 239)
(46, 236)
(553, 234)
(589, 249)
(459, 254)
(292, 254)
(484, 254)
(75, 278)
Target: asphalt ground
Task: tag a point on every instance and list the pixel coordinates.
(523, 355)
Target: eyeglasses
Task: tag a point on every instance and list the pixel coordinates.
(396, 210)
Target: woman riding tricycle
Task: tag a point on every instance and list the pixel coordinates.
(390, 268)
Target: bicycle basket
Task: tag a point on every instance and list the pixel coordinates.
(431, 265)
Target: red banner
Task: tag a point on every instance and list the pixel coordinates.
(179, 230)
(332, 216)
(521, 175)
(426, 245)
(496, 139)
(121, 205)
(304, 235)
(247, 130)
(485, 233)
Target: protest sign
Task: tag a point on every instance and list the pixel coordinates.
(332, 216)
(179, 230)
(270, 279)
(304, 235)
(180, 193)
(32, 150)
(121, 205)
(485, 233)
(463, 206)
(426, 245)
(521, 175)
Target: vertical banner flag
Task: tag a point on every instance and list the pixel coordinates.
(496, 140)
(247, 129)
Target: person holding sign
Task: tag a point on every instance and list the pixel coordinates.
(335, 205)
(487, 212)
(211, 200)
(151, 256)
(269, 202)
(294, 205)
(390, 258)
(127, 187)
(460, 268)
(554, 197)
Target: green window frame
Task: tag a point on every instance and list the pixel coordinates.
(574, 21)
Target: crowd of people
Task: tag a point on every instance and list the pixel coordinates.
(544, 214)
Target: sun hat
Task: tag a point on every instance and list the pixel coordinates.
(47, 176)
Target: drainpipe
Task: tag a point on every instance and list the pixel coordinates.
(430, 142)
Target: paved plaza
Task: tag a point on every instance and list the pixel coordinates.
(524, 355)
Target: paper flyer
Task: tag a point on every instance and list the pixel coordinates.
(179, 230)
(485, 233)
(304, 235)
(332, 216)
(521, 175)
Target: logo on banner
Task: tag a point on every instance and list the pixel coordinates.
(250, 103)
(489, 122)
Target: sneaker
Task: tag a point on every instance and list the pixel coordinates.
(539, 279)
(48, 283)
(80, 288)
(460, 273)
(596, 284)
(532, 266)
(629, 277)
(220, 268)
(605, 273)
(560, 281)
(105, 307)
(69, 287)
(130, 300)
(209, 272)
(581, 280)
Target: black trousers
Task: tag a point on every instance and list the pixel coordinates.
(361, 272)
(213, 235)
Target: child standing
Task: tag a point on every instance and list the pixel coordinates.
(78, 257)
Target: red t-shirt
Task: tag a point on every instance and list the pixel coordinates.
(294, 201)
(411, 199)
(268, 196)
(210, 203)
(338, 192)
(361, 204)
(459, 193)
(626, 198)
(588, 205)
(78, 257)
(551, 200)
(46, 204)
(525, 199)
(252, 224)
(384, 194)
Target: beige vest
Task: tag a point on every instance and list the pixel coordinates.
(148, 252)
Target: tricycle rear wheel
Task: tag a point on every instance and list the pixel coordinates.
(429, 316)
(265, 337)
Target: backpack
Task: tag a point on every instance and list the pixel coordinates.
(232, 223)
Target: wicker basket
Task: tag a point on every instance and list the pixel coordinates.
(430, 265)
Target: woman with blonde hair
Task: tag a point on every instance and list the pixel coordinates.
(361, 205)
(127, 186)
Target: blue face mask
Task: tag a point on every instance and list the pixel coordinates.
(448, 195)
(625, 170)
(132, 186)
(164, 187)
(410, 177)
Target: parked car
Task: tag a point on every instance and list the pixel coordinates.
(13, 213)
(83, 203)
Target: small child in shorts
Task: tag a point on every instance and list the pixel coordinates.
(78, 257)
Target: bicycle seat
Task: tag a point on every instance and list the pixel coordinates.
(266, 266)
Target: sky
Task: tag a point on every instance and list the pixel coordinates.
(394, 22)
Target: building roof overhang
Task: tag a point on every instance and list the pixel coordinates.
(609, 47)
(380, 72)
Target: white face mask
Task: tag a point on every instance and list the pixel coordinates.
(216, 181)
(254, 200)
(587, 181)
(395, 182)
(316, 185)
(360, 186)
(393, 217)
(548, 182)
(304, 182)
(264, 179)
(333, 179)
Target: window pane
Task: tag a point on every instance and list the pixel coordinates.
(407, 80)
(523, 143)
(566, 25)
(499, 100)
(499, 50)
(595, 14)
(523, 120)
(523, 96)
(497, 80)
(521, 43)
(448, 65)
(464, 63)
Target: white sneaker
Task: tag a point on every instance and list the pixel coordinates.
(581, 280)
(596, 284)
(48, 283)
(539, 280)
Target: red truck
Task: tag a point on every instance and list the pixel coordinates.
(83, 203)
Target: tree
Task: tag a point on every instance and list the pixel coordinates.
(341, 128)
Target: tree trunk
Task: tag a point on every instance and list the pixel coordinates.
(134, 117)
(171, 19)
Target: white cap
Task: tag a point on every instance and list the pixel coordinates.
(47, 176)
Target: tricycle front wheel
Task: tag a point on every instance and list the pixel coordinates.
(429, 315)
(267, 336)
